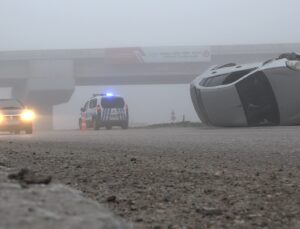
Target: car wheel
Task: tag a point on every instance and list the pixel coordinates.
(108, 127)
(95, 125)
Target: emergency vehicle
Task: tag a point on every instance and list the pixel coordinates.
(104, 110)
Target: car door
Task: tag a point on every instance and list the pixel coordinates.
(92, 109)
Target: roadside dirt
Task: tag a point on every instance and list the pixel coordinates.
(171, 185)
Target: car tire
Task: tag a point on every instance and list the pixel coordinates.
(95, 125)
(108, 127)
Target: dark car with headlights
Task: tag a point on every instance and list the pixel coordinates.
(15, 117)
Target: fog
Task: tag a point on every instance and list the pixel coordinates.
(62, 24)
(147, 104)
(76, 24)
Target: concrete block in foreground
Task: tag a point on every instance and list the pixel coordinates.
(51, 206)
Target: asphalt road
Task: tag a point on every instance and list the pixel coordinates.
(174, 177)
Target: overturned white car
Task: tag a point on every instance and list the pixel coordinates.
(256, 94)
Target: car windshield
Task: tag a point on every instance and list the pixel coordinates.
(10, 104)
(112, 102)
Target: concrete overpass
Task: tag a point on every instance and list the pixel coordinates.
(44, 78)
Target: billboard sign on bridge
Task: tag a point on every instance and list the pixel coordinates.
(178, 54)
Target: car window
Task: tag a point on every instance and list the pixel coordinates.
(225, 78)
(112, 102)
(10, 104)
(86, 105)
(93, 103)
(213, 81)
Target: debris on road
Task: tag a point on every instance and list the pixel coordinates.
(209, 211)
(111, 199)
(134, 160)
(50, 206)
(26, 177)
(226, 178)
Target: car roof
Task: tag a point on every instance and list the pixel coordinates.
(104, 96)
(9, 99)
(12, 100)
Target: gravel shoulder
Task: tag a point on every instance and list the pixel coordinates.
(45, 205)
(174, 177)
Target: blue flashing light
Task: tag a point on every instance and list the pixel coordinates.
(109, 94)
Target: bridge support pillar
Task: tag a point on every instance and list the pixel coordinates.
(51, 83)
(43, 102)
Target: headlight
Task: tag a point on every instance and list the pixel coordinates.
(1, 118)
(293, 64)
(27, 116)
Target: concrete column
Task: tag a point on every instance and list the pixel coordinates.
(44, 119)
(42, 102)
(18, 91)
(50, 83)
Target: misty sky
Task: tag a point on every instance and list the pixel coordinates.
(59, 24)
(72, 24)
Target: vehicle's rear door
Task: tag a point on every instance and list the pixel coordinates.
(113, 109)
(91, 111)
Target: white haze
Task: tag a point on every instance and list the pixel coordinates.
(147, 104)
(74, 24)
(69, 24)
